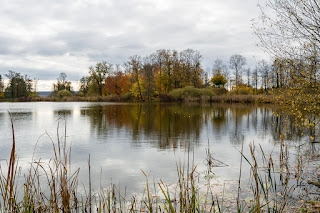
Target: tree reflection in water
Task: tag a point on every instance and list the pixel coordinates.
(169, 124)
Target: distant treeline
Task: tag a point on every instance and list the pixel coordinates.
(166, 72)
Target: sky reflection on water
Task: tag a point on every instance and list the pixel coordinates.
(124, 139)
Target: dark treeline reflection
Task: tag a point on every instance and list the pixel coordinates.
(290, 126)
(167, 124)
(63, 113)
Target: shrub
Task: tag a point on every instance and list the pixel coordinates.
(1, 95)
(219, 80)
(80, 93)
(127, 96)
(64, 93)
(34, 95)
(220, 91)
(192, 92)
(185, 92)
(242, 90)
(207, 92)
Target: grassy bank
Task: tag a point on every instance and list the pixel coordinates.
(223, 98)
(211, 99)
(53, 186)
(186, 94)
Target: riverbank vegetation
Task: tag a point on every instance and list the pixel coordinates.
(166, 75)
(149, 80)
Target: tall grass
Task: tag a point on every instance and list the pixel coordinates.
(269, 183)
(53, 186)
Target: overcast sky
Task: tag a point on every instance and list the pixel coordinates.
(43, 38)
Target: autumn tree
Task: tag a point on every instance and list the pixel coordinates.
(1, 84)
(159, 62)
(237, 62)
(97, 76)
(289, 31)
(191, 67)
(219, 80)
(148, 69)
(117, 83)
(1, 87)
(177, 69)
(156, 74)
(135, 65)
(219, 67)
(168, 71)
(287, 28)
(173, 69)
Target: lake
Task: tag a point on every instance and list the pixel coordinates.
(124, 139)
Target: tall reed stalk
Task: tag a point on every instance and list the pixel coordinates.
(52, 186)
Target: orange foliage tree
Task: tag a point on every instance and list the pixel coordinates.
(117, 84)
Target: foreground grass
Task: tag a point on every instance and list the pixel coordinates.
(54, 186)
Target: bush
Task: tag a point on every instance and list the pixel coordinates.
(64, 93)
(191, 93)
(242, 90)
(34, 95)
(220, 91)
(80, 93)
(1, 95)
(219, 80)
(185, 92)
(260, 91)
(207, 92)
(127, 96)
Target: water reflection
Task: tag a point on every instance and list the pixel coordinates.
(165, 125)
(62, 113)
(168, 123)
(125, 138)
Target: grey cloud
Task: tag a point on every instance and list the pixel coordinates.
(112, 30)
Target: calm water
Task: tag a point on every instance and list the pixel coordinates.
(124, 139)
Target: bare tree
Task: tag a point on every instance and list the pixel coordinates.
(191, 60)
(290, 30)
(205, 78)
(255, 78)
(292, 21)
(237, 62)
(35, 84)
(62, 84)
(218, 67)
(248, 73)
(264, 69)
(159, 58)
(135, 65)
(148, 72)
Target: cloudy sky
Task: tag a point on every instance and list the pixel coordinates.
(43, 38)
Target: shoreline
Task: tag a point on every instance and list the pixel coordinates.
(250, 99)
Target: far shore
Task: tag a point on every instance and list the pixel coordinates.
(203, 99)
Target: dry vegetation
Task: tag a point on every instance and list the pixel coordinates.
(53, 186)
